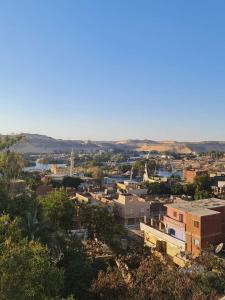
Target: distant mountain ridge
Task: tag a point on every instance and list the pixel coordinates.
(36, 143)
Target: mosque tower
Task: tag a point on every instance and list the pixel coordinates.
(72, 157)
(145, 176)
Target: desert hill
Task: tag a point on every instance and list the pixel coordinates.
(36, 143)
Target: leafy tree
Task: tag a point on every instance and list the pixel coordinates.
(189, 189)
(110, 285)
(26, 272)
(157, 188)
(78, 271)
(202, 187)
(26, 269)
(100, 223)
(176, 189)
(57, 208)
(9, 230)
(32, 180)
(124, 168)
(203, 183)
(71, 182)
(11, 165)
(153, 279)
(8, 141)
(97, 173)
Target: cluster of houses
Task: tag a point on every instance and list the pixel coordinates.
(170, 225)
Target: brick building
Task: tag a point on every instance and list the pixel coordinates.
(190, 174)
(193, 226)
(199, 223)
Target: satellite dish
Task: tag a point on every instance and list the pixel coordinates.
(219, 248)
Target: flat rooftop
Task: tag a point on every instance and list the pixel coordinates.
(204, 212)
(199, 207)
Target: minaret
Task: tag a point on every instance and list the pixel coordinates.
(72, 163)
(131, 174)
(145, 177)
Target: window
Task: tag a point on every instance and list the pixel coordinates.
(171, 231)
(196, 224)
(181, 218)
(142, 210)
(175, 214)
(196, 243)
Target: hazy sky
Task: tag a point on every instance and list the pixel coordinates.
(113, 69)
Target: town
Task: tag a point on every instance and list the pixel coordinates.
(112, 150)
(122, 207)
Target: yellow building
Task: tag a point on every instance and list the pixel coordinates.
(164, 243)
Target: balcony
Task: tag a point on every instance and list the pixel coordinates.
(172, 222)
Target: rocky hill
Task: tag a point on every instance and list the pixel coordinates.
(36, 143)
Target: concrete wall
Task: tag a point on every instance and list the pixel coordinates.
(155, 235)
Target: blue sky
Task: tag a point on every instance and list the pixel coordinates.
(113, 69)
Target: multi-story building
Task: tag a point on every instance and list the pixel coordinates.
(132, 209)
(198, 223)
(193, 226)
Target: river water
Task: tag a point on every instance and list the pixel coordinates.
(42, 167)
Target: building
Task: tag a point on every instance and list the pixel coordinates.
(131, 187)
(193, 226)
(132, 210)
(191, 174)
(103, 201)
(95, 199)
(218, 184)
(164, 243)
(84, 197)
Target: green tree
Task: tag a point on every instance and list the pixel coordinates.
(97, 173)
(203, 183)
(157, 188)
(202, 187)
(8, 141)
(11, 165)
(189, 189)
(9, 230)
(71, 182)
(26, 272)
(100, 223)
(78, 271)
(26, 269)
(110, 285)
(58, 209)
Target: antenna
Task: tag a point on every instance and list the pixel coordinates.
(219, 248)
